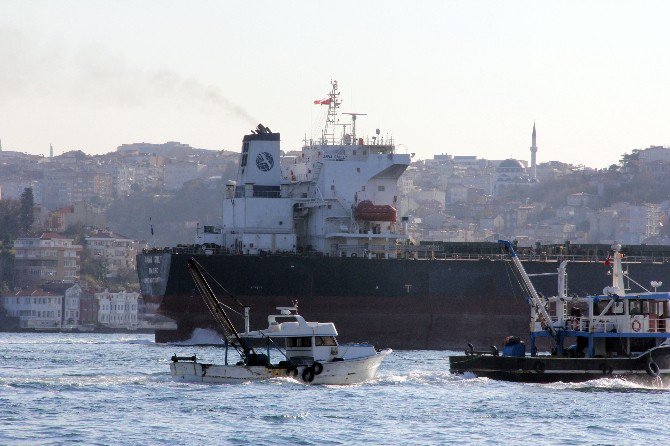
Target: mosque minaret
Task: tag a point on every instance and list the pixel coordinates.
(533, 155)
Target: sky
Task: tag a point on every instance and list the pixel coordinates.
(455, 77)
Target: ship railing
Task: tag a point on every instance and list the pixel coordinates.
(602, 325)
(610, 324)
(367, 247)
(541, 257)
(266, 194)
(422, 252)
(658, 325)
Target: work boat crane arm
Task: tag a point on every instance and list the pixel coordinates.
(214, 306)
(535, 300)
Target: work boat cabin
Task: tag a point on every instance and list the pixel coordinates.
(614, 324)
(306, 342)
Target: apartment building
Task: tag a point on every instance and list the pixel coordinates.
(49, 257)
(116, 251)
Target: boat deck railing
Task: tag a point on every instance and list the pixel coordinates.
(614, 324)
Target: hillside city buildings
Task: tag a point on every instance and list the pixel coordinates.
(450, 198)
(76, 189)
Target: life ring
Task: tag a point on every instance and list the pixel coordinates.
(636, 325)
(308, 374)
(575, 324)
(539, 367)
(606, 369)
(318, 367)
(653, 369)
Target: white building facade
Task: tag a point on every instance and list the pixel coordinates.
(34, 308)
(118, 310)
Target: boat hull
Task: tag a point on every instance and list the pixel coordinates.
(402, 304)
(352, 371)
(547, 369)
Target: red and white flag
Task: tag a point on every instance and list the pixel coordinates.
(322, 102)
(607, 261)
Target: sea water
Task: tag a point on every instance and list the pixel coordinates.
(116, 389)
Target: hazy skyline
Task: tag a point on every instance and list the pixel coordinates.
(464, 78)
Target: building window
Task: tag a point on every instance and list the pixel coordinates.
(381, 188)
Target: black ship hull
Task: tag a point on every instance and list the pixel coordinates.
(402, 304)
(648, 367)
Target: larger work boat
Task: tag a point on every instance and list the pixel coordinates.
(616, 333)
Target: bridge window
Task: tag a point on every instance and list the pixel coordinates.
(635, 307)
(325, 340)
(304, 341)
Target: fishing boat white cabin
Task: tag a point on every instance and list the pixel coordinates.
(309, 351)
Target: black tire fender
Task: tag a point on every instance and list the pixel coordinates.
(652, 368)
(308, 374)
(318, 367)
(606, 369)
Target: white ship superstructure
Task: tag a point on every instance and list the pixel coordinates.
(337, 197)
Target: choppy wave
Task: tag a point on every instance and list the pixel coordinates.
(97, 389)
(612, 385)
(203, 336)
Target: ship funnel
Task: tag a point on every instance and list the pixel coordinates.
(259, 162)
(261, 129)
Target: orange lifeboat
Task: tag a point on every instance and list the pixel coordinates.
(368, 211)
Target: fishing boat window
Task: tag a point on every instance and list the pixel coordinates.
(304, 341)
(635, 307)
(325, 340)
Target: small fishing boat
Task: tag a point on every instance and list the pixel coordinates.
(617, 333)
(309, 351)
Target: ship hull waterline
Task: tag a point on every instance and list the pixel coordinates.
(652, 367)
(353, 371)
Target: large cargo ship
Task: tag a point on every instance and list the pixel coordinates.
(321, 227)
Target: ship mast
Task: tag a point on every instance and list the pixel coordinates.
(334, 102)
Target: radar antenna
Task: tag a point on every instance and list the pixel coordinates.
(353, 122)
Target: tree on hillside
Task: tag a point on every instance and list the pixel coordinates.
(9, 220)
(78, 232)
(92, 268)
(26, 215)
(197, 201)
(630, 162)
